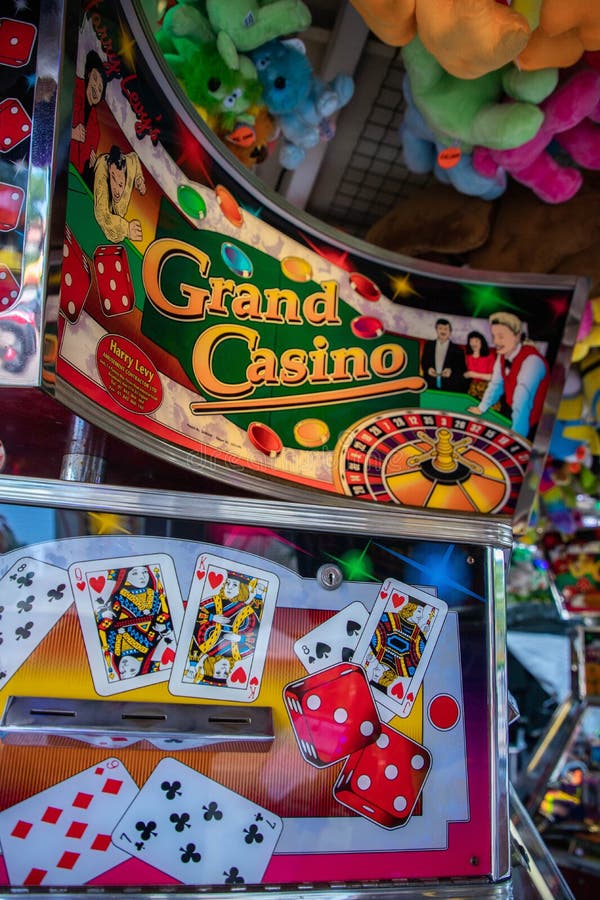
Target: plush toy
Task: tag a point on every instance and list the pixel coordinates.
(185, 19)
(569, 116)
(243, 25)
(422, 153)
(301, 104)
(566, 29)
(222, 96)
(251, 144)
(461, 112)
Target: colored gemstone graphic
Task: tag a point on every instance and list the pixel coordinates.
(311, 432)
(191, 202)
(364, 287)
(265, 439)
(367, 327)
(236, 260)
(229, 206)
(296, 269)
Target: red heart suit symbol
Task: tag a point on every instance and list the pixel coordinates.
(398, 600)
(200, 573)
(215, 579)
(80, 585)
(97, 583)
(238, 675)
(397, 690)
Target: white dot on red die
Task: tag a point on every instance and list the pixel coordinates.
(107, 303)
(4, 301)
(71, 308)
(13, 295)
(417, 761)
(66, 250)
(390, 772)
(25, 128)
(113, 284)
(366, 728)
(14, 110)
(400, 803)
(101, 268)
(340, 715)
(7, 141)
(313, 702)
(2, 276)
(125, 300)
(363, 782)
(68, 279)
(118, 265)
(382, 741)
(14, 196)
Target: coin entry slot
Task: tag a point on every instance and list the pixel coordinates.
(150, 717)
(53, 712)
(229, 720)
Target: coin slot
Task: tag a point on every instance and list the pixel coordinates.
(53, 712)
(229, 720)
(150, 717)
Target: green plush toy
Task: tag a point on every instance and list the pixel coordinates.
(223, 96)
(243, 25)
(465, 113)
(186, 19)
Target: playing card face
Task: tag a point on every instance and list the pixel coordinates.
(61, 836)
(225, 633)
(130, 612)
(397, 643)
(33, 597)
(196, 830)
(333, 641)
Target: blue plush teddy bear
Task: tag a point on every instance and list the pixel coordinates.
(301, 104)
(421, 150)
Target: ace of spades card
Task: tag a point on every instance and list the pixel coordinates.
(196, 830)
(397, 643)
(332, 641)
(130, 611)
(33, 597)
(225, 633)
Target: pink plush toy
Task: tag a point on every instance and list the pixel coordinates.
(569, 116)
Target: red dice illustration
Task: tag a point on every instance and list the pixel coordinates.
(114, 279)
(16, 42)
(76, 278)
(384, 780)
(11, 204)
(9, 288)
(332, 713)
(15, 124)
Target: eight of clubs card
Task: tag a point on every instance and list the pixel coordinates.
(62, 836)
(130, 611)
(33, 597)
(397, 643)
(196, 830)
(225, 633)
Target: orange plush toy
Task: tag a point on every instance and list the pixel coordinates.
(467, 37)
(566, 29)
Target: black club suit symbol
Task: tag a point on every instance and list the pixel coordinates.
(25, 631)
(253, 835)
(233, 876)
(25, 580)
(190, 854)
(146, 829)
(181, 822)
(171, 788)
(56, 593)
(26, 605)
(212, 812)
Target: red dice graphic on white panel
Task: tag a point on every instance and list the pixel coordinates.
(114, 279)
(15, 124)
(332, 713)
(76, 278)
(384, 780)
(11, 204)
(9, 288)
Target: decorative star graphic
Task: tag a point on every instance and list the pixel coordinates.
(107, 523)
(355, 564)
(402, 287)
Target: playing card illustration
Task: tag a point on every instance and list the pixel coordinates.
(33, 597)
(61, 836)
(225, 633)
(397, 642)
(334, 640)
(130, 612)
(196, 830)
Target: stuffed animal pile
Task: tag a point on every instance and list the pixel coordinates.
(249, 84)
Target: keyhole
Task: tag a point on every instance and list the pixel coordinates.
(330, 577)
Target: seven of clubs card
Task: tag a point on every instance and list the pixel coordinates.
(33, 597)
(397, 643)
(130, 610)
(62, 836)
(223, 644)
(196, 830)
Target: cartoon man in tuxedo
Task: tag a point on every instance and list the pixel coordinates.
(443, 362)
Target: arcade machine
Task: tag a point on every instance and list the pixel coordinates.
(254, 549)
